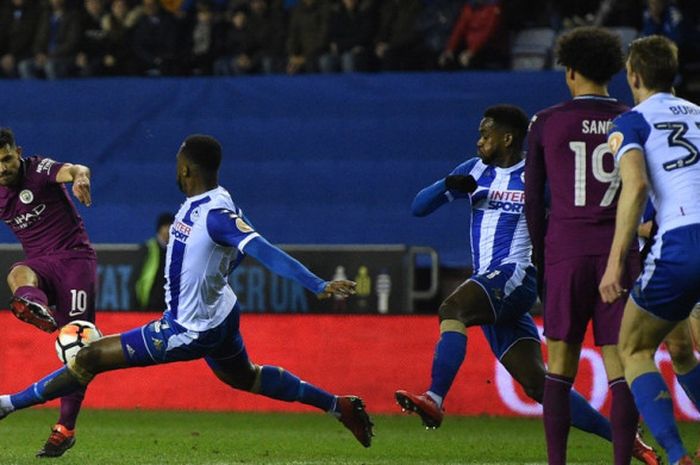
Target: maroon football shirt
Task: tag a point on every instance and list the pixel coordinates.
(568, 155)
(40, 212)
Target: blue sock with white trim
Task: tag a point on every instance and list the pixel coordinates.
(586, 418)
(690, 382)
(277, 383)
(654, 402)
(449, 355)
(38, 393)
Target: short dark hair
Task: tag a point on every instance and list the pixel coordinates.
(203, 151)
(6, 137)
(594, 52)
(164, 219)
(655, 59)
(511, 119)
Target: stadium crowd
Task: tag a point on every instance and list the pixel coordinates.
(54, 39)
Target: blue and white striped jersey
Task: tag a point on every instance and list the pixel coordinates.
(197, 267)
(667, 129)
(499, 232)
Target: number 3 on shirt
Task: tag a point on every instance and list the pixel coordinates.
(676, 139)
(605, 177)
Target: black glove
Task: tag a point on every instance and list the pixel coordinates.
(457, 182)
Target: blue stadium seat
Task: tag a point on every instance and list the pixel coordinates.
(531, 49)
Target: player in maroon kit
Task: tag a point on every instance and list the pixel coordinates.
(569, 155)
(56, 282)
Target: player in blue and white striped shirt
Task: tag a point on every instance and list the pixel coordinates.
(207, 240)
(502, 289)
(657, 146)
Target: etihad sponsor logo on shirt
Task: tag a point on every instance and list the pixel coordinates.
(180, 231)
(45, 165)
(27, 219)
(508, 201)
(595, 126)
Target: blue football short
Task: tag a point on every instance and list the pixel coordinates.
(512, 291)
(669, 285)
(165, 341)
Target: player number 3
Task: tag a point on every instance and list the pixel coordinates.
(598, 170)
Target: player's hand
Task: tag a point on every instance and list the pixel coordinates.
(339, 288)
(459, 183)
(81, 189)
(610, 288)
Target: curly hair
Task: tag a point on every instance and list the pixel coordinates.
(655, 59)
(594, 52)
(202, 150)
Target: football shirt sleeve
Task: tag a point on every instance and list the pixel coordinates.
(629, 131)
(44, 169)
(437, 194)
(227, 228)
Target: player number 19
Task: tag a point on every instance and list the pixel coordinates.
(606, 177)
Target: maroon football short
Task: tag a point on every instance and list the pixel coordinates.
(571, 299)
(69, 280)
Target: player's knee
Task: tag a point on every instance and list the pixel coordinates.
(682, 356)
(535, 393)
(247, 379)
(449, 310)
(88, 359)
(243, 377)
(19, 276)
(534, 388)
(83, 365)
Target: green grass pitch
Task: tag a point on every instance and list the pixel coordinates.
(172, 438)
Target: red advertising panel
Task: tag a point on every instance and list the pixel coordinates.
(370, 356)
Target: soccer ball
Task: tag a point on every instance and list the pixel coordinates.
(73, 337)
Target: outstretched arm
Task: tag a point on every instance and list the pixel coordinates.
(229, 229)
(430, 199)
(284, 265)
(445, 190)
(79, 175)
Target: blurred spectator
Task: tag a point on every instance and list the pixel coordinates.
(663, 18)
(574, 13)
(93, 44)
(182, 8)
(525, 14)
(398, 44)
(476, 39)
(620, 13)
(349, 38)
(435, 26)
(153, 40)
(236, 46)
(307, 31)
(55, 43)
(116, 24)
(18, 22)
(268, 24)
(150, 284)
(203, 39)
